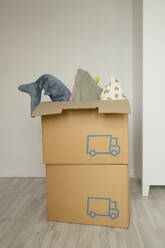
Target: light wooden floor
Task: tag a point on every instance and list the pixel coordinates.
(23, 220)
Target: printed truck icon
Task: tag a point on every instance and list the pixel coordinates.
(97, 206)
(102, 144)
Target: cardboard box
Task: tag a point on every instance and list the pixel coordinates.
(88, 194)
(93, 133)
(85, 149)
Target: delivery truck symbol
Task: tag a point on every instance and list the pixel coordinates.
(102, 144)
(97, 206)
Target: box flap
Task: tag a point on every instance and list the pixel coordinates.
(49, 108)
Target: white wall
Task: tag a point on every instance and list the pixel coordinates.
(153, 92)
(57, 37)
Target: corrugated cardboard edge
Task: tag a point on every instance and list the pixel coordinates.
(50, 108)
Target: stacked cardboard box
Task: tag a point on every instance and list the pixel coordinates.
(85, 150)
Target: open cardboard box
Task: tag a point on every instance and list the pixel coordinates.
(85, 149)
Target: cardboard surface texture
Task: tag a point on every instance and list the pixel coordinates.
(49, 108)
(85, 149)
(88, 194)
(85, 137)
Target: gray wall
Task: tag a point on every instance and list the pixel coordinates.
(57, 37)
(137, 87)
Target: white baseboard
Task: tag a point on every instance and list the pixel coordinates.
(38, 172)
(23, 172)
(131, 173)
